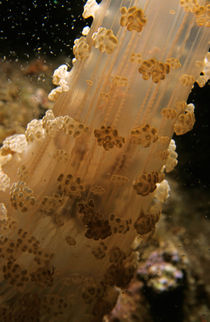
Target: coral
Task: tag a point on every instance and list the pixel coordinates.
(171, 160)
(169, 113)
(206, 68)
(146, 221)
(4, 181)
(88, 178)
(146, 183)
(187, 80)
(90, 9)
(61, 78)
(105, 40)
(81, 49)
(34, 131)
(108, 138)
(21, 196)
(199, 9)
(15, 143)
(185, 120)
(162, 191)
(155, 69)
(144, 135)
(133, 18)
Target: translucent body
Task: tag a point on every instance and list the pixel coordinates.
(85, 184)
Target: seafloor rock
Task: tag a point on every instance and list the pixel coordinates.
(23, 94)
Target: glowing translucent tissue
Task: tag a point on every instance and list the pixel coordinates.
(89, 177)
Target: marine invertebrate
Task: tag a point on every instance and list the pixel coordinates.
(76, 193)
(133, 18)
